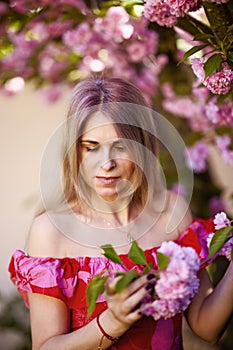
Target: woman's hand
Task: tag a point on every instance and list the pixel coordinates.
(122, 309)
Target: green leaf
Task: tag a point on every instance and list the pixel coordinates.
(131, 3)
(230, 56)
(118, 273)
(212, 64)
(136, 254)
(163, 260)
(203, 37)
(110, 253)
(94, 289)
(126, 279)
(218, 240)
(147, 269)
(232, 253)
(191, 51)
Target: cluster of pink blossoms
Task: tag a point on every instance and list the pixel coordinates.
(176, 285)
(218, 82)
(220, 221)
(191, 108)
(172, 288)
(117, 48)
(204, 115)
(166, 12)
(223, 143)
(68, 50)
(196, 156)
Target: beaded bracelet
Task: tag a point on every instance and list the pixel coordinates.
(106, 335)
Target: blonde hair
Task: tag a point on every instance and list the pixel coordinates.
(125, 106)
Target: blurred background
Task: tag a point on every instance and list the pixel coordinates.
(182, 62)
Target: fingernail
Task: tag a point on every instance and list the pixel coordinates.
(149, 286)
(150, 276)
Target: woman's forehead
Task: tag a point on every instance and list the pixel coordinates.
(100, 127)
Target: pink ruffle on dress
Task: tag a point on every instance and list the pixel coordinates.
(67, 278)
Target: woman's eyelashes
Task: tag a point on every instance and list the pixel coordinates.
(93, 148)
(120, 147)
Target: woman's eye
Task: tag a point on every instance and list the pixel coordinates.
(92, 149)
(120, 148)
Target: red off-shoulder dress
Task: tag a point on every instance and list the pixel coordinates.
(67, 279)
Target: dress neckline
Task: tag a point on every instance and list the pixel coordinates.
(82, 258)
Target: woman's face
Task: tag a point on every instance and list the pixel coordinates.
(106, 164)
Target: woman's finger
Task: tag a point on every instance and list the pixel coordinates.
(138, 283)
(134, 299)
(110, 286)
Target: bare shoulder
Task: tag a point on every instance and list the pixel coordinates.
(43, 238)
(178, 214)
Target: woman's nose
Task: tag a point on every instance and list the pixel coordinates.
(108, 164)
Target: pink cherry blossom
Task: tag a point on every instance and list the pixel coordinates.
(159, 12)
(59, 27)
(227, 248)
(176, 284)
(137, 51)
(223, 142)
(196, 156)
(147, 81)
(220, 82)
(168, 91)
(180, 7)
(190, 108)
(221, 220)
(201, 94)
(212, 112)
(13, 86)
(219, 114)
(117, 22)
(197, 65)
(165, 13)
(78, 38)
(39, 32)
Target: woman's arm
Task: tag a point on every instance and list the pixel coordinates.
(50, 320)
(211, 308)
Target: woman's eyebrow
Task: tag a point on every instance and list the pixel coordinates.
(89, 142)
(118, 141)
(96, 142)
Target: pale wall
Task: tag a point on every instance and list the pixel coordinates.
(26, 125)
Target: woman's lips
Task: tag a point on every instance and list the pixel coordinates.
(107, 180)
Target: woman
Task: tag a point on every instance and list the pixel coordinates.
(112, 193)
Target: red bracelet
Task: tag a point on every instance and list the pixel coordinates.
(106, 335)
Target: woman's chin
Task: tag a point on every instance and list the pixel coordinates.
(108, 197)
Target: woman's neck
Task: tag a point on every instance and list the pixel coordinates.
(119, 212)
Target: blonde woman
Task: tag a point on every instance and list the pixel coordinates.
(111, 193)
